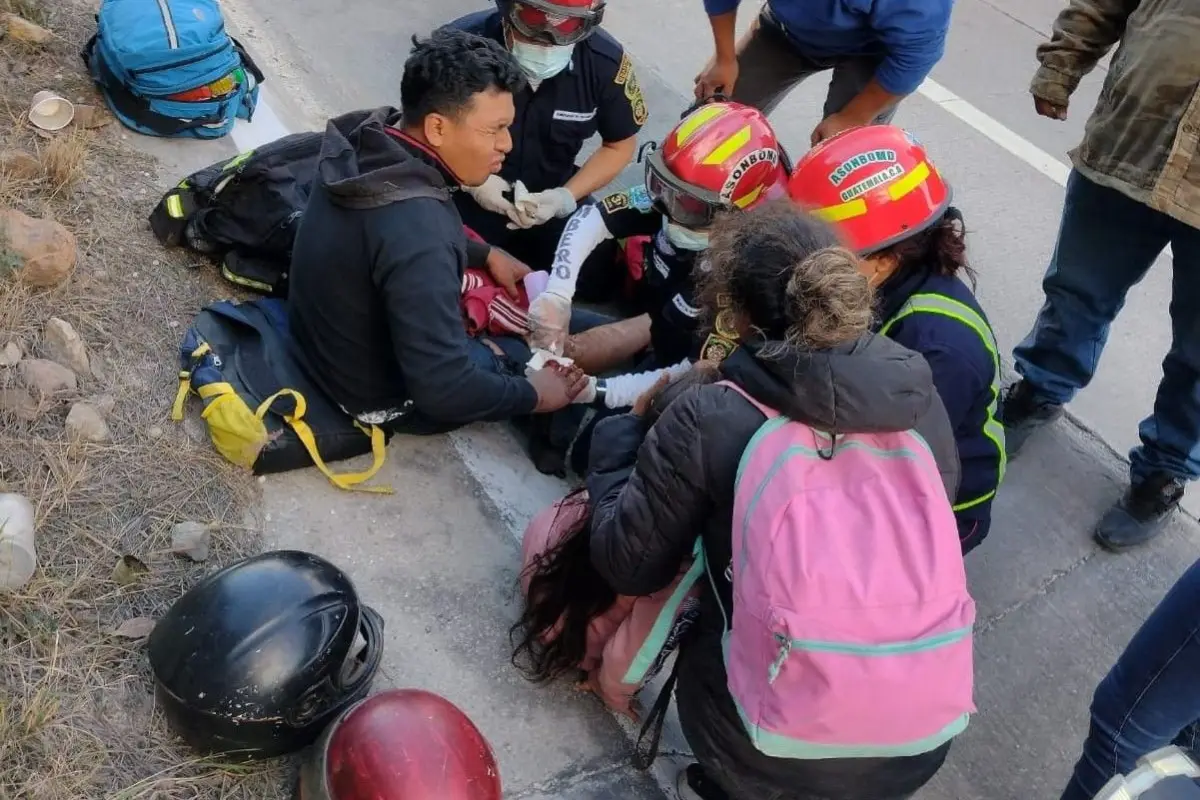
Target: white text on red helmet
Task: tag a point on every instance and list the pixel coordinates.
(767, 155)
(882, 156)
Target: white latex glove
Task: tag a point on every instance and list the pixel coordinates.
(549, 318)
(538, 208)
(490, 196)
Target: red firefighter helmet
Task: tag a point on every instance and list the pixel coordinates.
(875, 185)
(553, 22)
(720, 156)
(402, 744)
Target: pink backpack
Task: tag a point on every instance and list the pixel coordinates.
(851, 627)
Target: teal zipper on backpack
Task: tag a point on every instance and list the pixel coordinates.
(787, 644)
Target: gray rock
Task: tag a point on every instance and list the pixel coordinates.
(65, 345)
(86, 424)
(190, 539)
(17, 401)
(104, 403)
(10, 354)
(46, 377)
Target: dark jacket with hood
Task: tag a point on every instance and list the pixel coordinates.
(376, 279)
(654, 492)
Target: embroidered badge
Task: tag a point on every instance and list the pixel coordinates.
(633, 91)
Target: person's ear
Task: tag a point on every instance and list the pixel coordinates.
(435, 129)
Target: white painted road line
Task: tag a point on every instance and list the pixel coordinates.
(1023, 149)
(1001, 135)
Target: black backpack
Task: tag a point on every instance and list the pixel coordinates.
(244, 212)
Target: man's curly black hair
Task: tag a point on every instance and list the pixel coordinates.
(445, 71)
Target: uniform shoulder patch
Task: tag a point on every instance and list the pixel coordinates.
(635, 199)
(602, 43)
(627, 77)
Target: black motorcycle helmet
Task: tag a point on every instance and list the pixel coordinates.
(256, 659)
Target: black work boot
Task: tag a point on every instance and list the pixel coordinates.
(1141, 514)
(1023, 413)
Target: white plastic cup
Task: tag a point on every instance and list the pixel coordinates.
(51, 111)
(18, 556)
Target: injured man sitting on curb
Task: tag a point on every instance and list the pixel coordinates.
(379, 269)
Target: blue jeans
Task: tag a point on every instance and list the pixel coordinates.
(1151, 696)
(1106, 244)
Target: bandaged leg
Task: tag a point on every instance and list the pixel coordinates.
(605, 347)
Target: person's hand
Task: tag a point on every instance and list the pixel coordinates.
(641, 406)
(631, 709)
(549, 320)
(834, 124)
(1048, 109)
(538, 208)
(717, 76)
(506, 271)
(556, 386)
(490, 196)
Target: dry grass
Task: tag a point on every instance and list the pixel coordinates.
(77, 715)
(33, 10)
(63, 161)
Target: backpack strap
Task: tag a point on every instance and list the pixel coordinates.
(767, 411)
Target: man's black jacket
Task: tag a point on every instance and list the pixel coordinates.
(376, 281)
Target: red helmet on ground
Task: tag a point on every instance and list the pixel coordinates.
(720, 156)
(875, 185)
(554, 22)
(402, 744)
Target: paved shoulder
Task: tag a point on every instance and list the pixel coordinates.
(442, 571)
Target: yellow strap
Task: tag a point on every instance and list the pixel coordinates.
(350, 480)
(185, 383)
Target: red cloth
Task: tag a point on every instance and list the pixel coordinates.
(635, 256)
(487, 308)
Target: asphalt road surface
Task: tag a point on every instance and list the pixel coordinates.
(439, 558)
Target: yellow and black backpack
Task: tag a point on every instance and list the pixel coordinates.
(262, 412)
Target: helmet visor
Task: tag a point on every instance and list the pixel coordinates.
(689, 206)
(547, 23)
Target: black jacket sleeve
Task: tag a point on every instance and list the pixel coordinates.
(647, 516)
(477, 253)
(419, 279)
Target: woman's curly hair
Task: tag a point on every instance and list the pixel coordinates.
(782, 272)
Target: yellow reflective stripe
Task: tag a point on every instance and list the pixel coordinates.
(897, 189)
(954, 309)
(728, 147)
(692, 124)
(842, 211)
(347, 480)
(750, 197)
(237, 161)
(174, 206)
(266, 288)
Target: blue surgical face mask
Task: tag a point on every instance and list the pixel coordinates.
(685, 238)
(542, 61)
